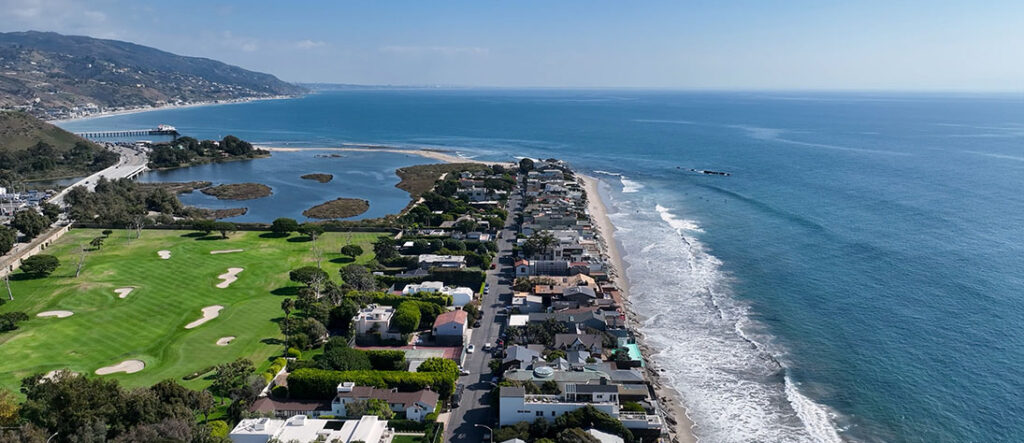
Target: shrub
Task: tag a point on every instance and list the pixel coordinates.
(279, 392)
(632, 406)
(294, 353)
(218, 429)
(40, 265)
(386, 360)
(322, 384)
(9, 320)
(343, 359)
(402, 425)
(441, 365)
(406, 318)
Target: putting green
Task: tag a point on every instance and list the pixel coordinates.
(149, 325)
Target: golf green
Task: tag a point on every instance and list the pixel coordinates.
(149, 323)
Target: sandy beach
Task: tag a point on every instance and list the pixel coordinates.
(165, 107)
(671, 401)
(434, 155)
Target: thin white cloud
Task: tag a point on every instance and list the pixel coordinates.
(310, 44)
(436, 50)
(64, 16)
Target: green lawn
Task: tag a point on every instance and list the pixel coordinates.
(149, 324)
(407, 439)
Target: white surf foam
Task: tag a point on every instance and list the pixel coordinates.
(732, 384)
(629, 186)
(675, 222)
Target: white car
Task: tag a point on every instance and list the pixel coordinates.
(470, 349)
(487, 346)
(463, 372)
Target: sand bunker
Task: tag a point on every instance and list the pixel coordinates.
(58, 314)
(127, 366)
(209, 313)
(224, 341)
(226, 251)
(123, 292)
(164, 254)
(228, 277)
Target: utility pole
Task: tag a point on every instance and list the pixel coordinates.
(7, 280)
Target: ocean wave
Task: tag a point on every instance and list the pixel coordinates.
(735, 387)
(675, 222)
(817, 419)
(628, 186)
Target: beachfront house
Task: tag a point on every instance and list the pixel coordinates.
(591, 343)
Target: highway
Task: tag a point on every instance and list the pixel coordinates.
(475, 407)
(131, 163)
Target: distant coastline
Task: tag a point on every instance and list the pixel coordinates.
(141, 109)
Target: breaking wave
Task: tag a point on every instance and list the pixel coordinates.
(735, 386)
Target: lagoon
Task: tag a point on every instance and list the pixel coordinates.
(366, 175)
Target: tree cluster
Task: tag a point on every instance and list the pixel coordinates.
(187, 150)
(79, 408)
(43, 159)
(121, 202)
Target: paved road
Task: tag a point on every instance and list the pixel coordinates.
(475, 407)
(130, 163)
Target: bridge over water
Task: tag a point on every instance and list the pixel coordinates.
(118, 133)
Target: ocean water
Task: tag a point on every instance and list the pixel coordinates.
(857, 277)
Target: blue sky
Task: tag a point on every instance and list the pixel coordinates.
(834, 45)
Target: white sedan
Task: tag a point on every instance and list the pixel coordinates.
(470, 349)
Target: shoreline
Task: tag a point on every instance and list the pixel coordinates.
(431, 154)
(670, 400)
(140, 110)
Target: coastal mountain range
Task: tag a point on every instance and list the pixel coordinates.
(54, 76)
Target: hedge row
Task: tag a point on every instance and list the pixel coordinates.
(386, 299)
(387, 360)
(469, 278)
(322, 384)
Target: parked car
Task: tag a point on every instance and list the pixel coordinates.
(463, 372)
(470, 349)
(487, 346)
(476, 324)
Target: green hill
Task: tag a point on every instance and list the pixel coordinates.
(31, 149)
(50, 74)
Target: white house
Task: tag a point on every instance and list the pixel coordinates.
(515, 405)
(427, 286)
(415, 405)
(450, 327)
(367, 429)
(373, 318)
(461, 296)
(427, 261)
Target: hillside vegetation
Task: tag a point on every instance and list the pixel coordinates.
(33, 149)
(50, 73)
